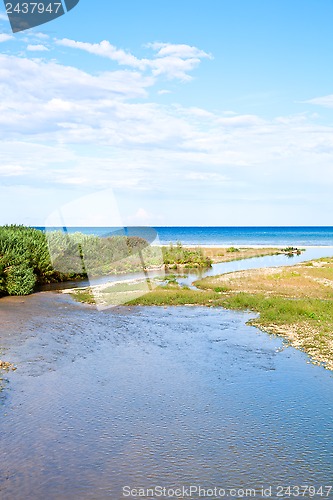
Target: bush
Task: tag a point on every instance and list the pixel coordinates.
(175, 256)
(20, 280)
(232, 250)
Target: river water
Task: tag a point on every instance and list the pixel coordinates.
(145, 397)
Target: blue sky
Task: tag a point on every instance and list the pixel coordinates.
(184, 113)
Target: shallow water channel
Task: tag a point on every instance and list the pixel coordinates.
(144, 397)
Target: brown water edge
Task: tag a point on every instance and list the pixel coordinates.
(147, 396)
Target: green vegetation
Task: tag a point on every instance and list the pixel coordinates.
(176, 256)
(25, 257)
(79, 254)
(29, 257)
(290, 251)
(175, 296)
(20, 280)
(170, 279)
(24, 260)
(232, 250)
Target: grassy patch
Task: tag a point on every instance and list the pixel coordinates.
(84, 295)
(176, 296)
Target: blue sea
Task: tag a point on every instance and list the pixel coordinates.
(272, 236)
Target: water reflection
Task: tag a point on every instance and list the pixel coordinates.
(154, 396)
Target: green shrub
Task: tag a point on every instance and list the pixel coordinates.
(232, 250)
(20, 280)
(175, 256)
(219, 289)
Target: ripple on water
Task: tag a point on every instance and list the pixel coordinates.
(148, 396)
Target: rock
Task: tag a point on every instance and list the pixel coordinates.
(5, 365)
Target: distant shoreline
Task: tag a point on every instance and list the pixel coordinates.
(203, 245)
(245, 236)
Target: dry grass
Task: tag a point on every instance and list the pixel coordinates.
(299, 281)
(228, 254)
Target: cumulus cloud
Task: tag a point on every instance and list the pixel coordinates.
(77, 129)
(64, 105)
(172, 61)
(177, 50)
(105, 49)
(45, 80)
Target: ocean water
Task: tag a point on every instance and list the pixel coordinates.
(272, 236)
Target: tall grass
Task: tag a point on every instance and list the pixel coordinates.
(24, 260)
(29, 257)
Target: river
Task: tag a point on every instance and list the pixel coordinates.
(145, 397)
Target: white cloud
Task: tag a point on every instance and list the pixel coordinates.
(182, 51)
(45, 80)
(325, 101)
(66, 106)
(39, 47)
(70, 129)
(172, 61)
(105, 49)
(3, 16)
(41, 36)
(5, 38)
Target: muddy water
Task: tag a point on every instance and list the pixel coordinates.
(154, 396)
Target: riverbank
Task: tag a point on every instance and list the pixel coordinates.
(294, 302)
(177, 260)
